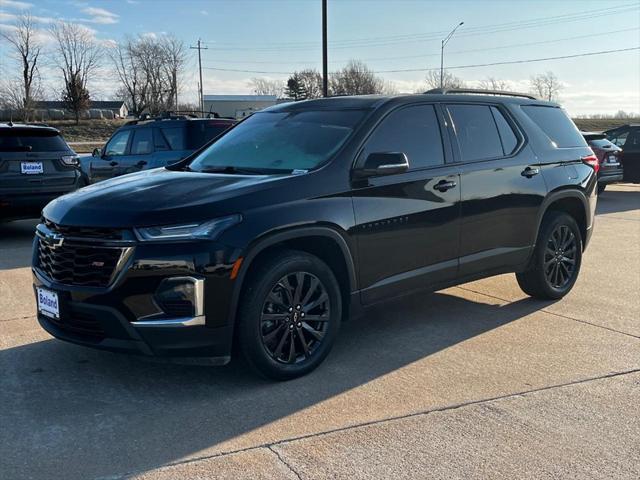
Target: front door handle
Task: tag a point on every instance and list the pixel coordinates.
(113, 164)
(530, 172)
(444, 185)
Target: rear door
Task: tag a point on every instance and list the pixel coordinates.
(407, 224)
(502, 189)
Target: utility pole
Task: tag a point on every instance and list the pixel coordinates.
(199, 47)
(442, 44)
(325, 78)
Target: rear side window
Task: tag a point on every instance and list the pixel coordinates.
(201, 132)
(555, 123)
(413, 131)
(476, 131)
(174, 137)
(142, 142)
(508, 137)
(31, 141)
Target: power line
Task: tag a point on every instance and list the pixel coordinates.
(416, 37)
(509, 62)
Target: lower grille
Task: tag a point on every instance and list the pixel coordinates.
(80, 324)
(78, 265)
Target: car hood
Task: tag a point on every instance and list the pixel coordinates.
(157, 197)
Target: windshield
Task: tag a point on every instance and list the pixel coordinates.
(280, 141)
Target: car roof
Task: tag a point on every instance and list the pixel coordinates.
(374, 101)
(26, 127)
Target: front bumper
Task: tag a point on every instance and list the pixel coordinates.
(124, 316)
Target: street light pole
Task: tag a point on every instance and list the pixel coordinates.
(442, 44)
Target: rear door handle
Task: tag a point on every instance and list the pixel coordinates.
(444, 185)
(113, 164)
(530, 172)
(141, 163)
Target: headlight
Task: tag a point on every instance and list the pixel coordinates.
(209, 230)
(70, 160)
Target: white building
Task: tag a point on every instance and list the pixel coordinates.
(237, 106)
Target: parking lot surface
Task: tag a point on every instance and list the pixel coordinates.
(474, 381)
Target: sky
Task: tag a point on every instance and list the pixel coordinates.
(398, 39)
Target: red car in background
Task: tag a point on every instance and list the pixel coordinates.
(610, 167)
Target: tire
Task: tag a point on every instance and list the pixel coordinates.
(270, 324)
(540, 280)
(601, 187)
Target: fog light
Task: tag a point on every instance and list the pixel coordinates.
(181, 297)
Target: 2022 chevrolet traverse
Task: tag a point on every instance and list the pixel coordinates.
(300, 216)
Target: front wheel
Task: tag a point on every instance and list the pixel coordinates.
(556, 260)
(289, 316)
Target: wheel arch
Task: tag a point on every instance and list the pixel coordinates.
(322, 241)
(573, 202)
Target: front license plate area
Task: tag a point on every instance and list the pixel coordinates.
(48, 303)
(31, 168)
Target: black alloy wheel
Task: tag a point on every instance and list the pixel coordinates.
(295, 317)
(560, 257)
(289, 315)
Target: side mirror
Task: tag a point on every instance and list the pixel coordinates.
(96, 152)
(383, 163)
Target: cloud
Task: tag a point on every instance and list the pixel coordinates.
(133, 2)
(204, 12)
(151, 35)
(97, 15)
(15, 4)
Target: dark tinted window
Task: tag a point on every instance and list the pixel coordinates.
(142, 141)
(476, 131)
(175, 137)
(603, 143)
(159, 141)
(632, 143)
(413, 131)
(508, 137)
(16, 140)
(281, 140)
(619, 138)
(200, 132)
(118, 143)
(555, 123)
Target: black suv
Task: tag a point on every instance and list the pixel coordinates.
(627, 137)
(304, 213)
(151, 143)
(36, 166)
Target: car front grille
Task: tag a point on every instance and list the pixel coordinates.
(88, 266)
(102, 233)
(80, 324)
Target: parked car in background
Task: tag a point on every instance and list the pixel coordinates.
(627, 137)
(610, 169)
(36, 166)
(151, 143)
(307, 212)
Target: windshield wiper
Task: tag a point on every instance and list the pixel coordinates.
(241, 170)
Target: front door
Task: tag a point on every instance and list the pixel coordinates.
(407, 224)
(140, 153)
(105, 166)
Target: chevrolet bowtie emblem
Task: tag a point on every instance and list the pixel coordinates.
(54, 240)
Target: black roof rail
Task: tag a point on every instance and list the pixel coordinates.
(177, 115)
(478, 91)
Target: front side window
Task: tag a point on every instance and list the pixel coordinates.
(620, 138)
(118, 144)
(281, 141)
(142, 142)
(413, 131)
(476, 131)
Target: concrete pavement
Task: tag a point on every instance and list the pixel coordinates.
(474, 381)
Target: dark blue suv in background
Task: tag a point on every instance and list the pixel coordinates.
(151, 143)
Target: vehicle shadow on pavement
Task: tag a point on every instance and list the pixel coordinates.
(616, 201)
(15, 243)
(89, 413)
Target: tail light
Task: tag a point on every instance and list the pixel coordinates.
(592, 161)
(70, 160)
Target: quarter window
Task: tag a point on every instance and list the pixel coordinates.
(555, 123)
(175, 137)
(118, 144)
(142, 142)
(476, 131)
(413, 131)
(508, 138)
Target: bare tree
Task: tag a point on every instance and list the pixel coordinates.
(356, 79)
(304, 84)
(449, 80)
(133, 85)
(546, 86)
(22, 93)
(77, 55)
(266, 86)
(174, 57)
(492, 83)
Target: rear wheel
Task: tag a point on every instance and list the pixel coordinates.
(556, 259)
(289, 316)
